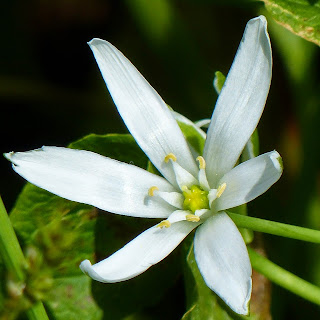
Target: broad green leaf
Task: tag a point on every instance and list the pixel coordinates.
(75, 289)
(301, 17)
(64, 233)
(300, 61)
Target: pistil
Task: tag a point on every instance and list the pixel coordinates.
(195, 198)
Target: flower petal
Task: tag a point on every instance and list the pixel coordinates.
(144, 112)
(173, 198)
(178, 215)
(249, 180)
(182, 176)
(90, 178)
(149, 248)
(241, 101)
(223, 261)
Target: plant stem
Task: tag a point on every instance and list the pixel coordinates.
(284, 278)
(10, 249)
(14, 259)
(275, 228)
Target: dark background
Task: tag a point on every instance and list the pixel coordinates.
(52, 93)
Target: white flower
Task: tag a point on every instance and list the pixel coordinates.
(190, 195)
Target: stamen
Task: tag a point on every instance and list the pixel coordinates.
(221, 190)
(170, 156)
(164, 224)
(152, 190)
(202, 162)
(192, 218)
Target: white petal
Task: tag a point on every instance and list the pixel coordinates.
(90, 178)
(178, 215)
(203, 123)
(149, 248)
(144, 112)
(202, 177)
(249, 180)
(212, 196)
(174, 198)
(241, 101)
(182, 176)
(203, 213)
(223, 261)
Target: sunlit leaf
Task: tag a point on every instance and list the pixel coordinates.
(302, 17)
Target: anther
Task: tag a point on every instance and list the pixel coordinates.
(221, 190)
(170, 156)
(202, 162)
(164, 224)
(152, 190)
(192, 218)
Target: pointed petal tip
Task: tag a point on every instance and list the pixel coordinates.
(86, 267)
(261, 18)
(245, 307)
(8, 155)
(277, 160)
(95, 41)
(242, 307)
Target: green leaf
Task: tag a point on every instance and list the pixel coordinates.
(64, 233)
(77, 290)
(121, 147)
(193, 134)
(301, 17)
(2, 280)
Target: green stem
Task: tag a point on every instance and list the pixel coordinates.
(284, 278)
(10, 249)
(14, 259)
(37, 312)
(275, 228)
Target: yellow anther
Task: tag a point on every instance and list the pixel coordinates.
(170, 156)
(164, 224)
(192, 218)
(221, 190)
(202, 162)
(152, 190)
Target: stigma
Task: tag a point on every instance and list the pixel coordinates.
(195, 198)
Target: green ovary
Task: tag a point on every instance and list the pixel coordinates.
(195, 199)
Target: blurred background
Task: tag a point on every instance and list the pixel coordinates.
(52, 93)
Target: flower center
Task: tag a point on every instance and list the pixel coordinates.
(195, 198)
